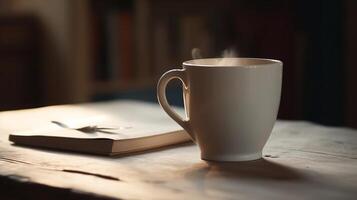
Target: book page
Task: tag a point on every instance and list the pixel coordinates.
(130, 119)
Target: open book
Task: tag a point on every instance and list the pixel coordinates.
(137, 126)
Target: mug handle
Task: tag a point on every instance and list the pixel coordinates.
(161, 96)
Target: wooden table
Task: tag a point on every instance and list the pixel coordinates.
(302, 160)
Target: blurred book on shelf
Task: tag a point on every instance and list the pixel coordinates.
(19, 62)
(112, 36)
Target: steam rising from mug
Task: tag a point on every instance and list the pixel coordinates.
(196, 53)
(224, 61)
(228, 53)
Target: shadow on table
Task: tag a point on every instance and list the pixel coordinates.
(258, 169)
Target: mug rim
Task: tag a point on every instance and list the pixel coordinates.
(260, 62)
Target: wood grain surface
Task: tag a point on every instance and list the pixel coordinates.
(301, 161)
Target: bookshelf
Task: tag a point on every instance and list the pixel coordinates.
(160, 34)
(165, 31)
(157, 36)
(85, 48)
(96, 57)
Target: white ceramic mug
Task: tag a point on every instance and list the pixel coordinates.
(230, 108)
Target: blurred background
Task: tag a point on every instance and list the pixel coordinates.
(65, 51)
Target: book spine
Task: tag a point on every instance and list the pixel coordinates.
(161, 47)
(125, 29)
(142, 38)
(112, 35)
(20, 72)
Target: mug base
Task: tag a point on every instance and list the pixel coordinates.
(232, 158)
